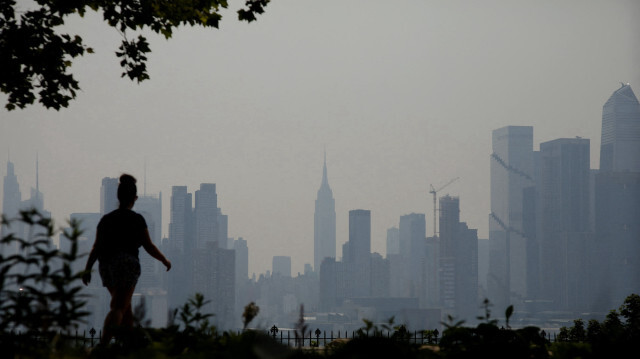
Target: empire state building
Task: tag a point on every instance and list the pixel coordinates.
(324, 224)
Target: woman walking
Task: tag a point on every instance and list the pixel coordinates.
(119, 235)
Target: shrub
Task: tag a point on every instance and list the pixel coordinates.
(39, 291)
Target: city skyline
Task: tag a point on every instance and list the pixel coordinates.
(400, 97)
(563, 237)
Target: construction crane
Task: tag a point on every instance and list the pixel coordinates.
(434, 191)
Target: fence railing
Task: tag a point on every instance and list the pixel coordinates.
(289, 337)
(320, 338)
(79, 339)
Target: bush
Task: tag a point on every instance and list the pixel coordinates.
(39, 292)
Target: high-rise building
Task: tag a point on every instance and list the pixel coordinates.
(359, 236)
(330, 293)
(206, 216)
(224, 298)
(11, 201)
(181, 214)
(223, 229)
(324, 223)
(241, 250)
(198, 239)
(380, 276)
(281, 265)
(180, 246)
(11, 193)
(12, 204)
(150, 207)
(412, 233)
(617, 203)
(458, 261)
(357, 260)
(511, 172)
(108, 195)
(393, 241)
(563, 221)
(620, 145)
(614, 260)
(242, 259)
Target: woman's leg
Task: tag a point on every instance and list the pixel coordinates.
(120, 308)
(127, 316)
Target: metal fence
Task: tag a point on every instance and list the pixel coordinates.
(289, 337)
(320, 338)
(79, 339)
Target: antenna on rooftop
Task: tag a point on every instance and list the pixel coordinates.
(145, 176)
(37, 177)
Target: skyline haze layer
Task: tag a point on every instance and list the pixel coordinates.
(400, 97)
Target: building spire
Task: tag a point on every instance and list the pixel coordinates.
(145, 176)
(37, 174)
(325, 180)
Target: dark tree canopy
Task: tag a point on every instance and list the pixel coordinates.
(35, 58)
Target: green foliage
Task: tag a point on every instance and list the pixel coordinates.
(487, 313)
(488, 340)
(253, 7)
(507, 314)
(192, 318)
(40, 294)
(630, 311)
(251, 310)
(35, 55)
(615, 336)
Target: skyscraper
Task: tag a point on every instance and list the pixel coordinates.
(206, 216)
(180, 246)
(359, 236)
(620, 145)
(241, 252)
(242, 259)
(324, 223)
(10, 207)
(617, 202)
(615, 257)
(412, 233)
(563, 213)
(180, 217)
(281, 265)
(357, 258)
(393, 241)
(511, 172)
(150, 207)
(203, 262)
(458, 261)
(108, 195)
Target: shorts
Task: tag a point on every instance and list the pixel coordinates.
(121, 270)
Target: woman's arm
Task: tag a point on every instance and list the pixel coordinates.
(153, 250)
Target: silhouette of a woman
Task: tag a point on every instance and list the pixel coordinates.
(118, 237)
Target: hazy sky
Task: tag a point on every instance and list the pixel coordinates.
(402, 94)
